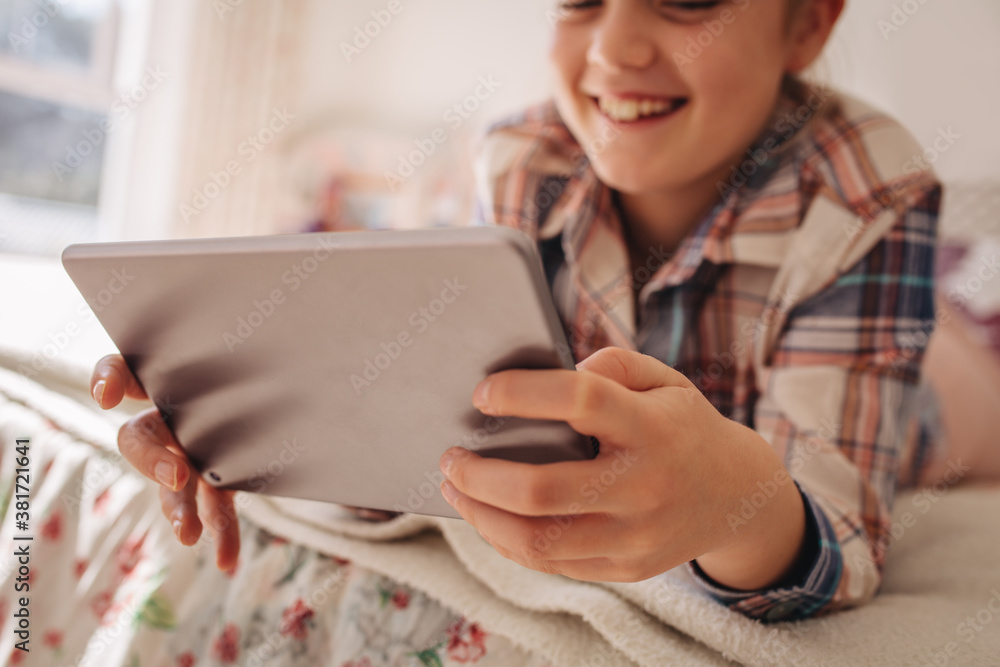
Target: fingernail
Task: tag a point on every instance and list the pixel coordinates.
(481, 394)
(446, 462)
(449, 492)
(178, 524)
(99, 391)
(167, 474)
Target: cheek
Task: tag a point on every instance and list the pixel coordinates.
(736, 84)
(567, 58)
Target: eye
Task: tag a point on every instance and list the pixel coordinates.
(687, 11)
(681, 10)
(691, 6)
(572, 11)
(578, 5)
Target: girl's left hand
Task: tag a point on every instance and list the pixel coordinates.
(670, 470)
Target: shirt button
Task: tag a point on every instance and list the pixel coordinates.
(781, 610)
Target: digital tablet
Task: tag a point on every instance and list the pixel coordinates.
(333, 366)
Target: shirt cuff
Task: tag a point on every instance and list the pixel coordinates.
(806, 590)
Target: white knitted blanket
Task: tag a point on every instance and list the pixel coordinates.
(940, 603)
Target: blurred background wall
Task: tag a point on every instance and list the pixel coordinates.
(264, 120)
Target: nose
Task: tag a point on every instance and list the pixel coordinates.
(620, 41)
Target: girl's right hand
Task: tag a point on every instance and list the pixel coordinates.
(187, 500)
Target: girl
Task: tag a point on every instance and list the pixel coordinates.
(743, 265)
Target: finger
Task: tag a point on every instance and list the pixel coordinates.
(181, 509)
(143, 440)
(568, 536)
(111, 380)
(634, 370)
(533, 489)
(218, 512)
(601, 567)
(591, 403)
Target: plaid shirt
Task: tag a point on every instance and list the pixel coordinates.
(800, 305)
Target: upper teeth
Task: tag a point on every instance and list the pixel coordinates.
(630, 109)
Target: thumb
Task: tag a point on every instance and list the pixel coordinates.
(633, 370)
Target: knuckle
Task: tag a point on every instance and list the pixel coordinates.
(166, 501)
(145, 425)
(129, 441)
(533, 553)
(526, 545)
(587, 396)
(217, 504)
(539, 493)
(644, 544)
(547, 567)
(467, 510)
(530, 554)
(459, 473)
(615, 356)
(502, 550)
(632, 570)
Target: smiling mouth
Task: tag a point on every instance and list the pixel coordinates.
(632, 109)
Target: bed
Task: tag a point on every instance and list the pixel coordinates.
(121, 574)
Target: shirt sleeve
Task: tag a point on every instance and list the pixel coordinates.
(837, 393)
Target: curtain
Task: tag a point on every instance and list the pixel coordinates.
(240, 108)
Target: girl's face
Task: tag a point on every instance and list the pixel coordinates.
(664, 94)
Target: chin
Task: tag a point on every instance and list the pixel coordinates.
(634, 177)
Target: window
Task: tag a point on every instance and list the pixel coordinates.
(56, 62)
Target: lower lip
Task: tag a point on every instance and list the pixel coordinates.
(638, 123)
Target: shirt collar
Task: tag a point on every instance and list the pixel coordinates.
(761, 202)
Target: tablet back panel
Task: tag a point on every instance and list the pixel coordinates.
(333, 366)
